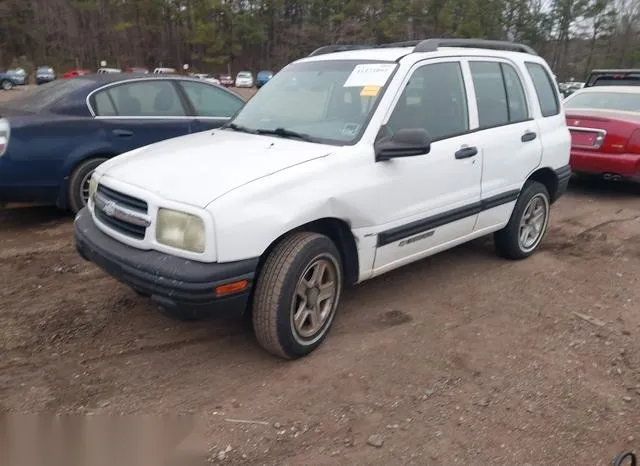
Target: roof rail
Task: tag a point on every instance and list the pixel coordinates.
(346, 47)
(339, 48)
(432, 45)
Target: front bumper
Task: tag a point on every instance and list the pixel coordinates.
(171, 281)
(625, 165)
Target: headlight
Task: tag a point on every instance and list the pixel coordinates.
(93, 187)
(180, 230)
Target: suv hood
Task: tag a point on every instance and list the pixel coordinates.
(197, 169)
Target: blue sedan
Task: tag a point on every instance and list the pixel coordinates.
(6, 81)
(54, 136)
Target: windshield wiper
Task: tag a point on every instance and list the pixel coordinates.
(285, 133)
(236, 127)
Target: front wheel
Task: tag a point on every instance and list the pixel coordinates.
(528, 223)
(6, 85)
(297, 294)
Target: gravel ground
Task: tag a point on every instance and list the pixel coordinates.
(462, 358)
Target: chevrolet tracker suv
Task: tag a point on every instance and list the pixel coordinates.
(352, 162)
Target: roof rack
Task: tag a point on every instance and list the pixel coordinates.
(340, 48)
(430, 45)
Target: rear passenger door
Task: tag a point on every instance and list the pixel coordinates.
(507, 135)
(213, 106)
(138, 113)
(550, 117)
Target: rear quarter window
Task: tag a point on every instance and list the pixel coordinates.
(545, 89)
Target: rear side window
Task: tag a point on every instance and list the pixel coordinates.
(545, 89)
(499, 94)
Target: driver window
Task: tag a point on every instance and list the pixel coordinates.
(434, 99)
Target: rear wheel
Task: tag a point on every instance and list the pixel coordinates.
(528, 223)
(297, 294)
(79, 183)
(6, 85)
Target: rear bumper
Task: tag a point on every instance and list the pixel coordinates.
(625, 165)
(171, 281)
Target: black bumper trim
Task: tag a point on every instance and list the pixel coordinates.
(173, 281)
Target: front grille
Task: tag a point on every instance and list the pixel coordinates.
(124, 201)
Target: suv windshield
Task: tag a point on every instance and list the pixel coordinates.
(41, 97)
(328, 101)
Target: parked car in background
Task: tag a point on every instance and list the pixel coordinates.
(244, 79)
(45, 74)
(605, 131)
(6, 82)
(73, 73)
(206, 77)
(108, 70)
(613, 77)
(347, 165)
(52, 137)
(19, 76)
(226, 80)
(163, 70)
(263, 78)
(137, 69)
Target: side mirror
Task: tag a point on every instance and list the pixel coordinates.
(407, 142)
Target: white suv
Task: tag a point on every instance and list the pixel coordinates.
(352, 162)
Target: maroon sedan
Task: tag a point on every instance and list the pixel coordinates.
(605, 131)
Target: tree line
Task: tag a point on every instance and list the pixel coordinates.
(219, 35)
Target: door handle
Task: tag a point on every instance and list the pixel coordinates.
(528, 136)
(466, 152)
(122, 133)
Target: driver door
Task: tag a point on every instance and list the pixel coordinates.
(431, 201)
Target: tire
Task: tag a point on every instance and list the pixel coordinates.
(301, 261)
(79, 180)
(6, 85)
(508, 241)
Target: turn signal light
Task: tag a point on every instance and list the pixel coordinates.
(230, 288)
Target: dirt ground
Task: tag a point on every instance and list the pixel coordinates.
(462, 358)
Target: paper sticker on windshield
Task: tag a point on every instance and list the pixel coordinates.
(375, 74)
(370, 91)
